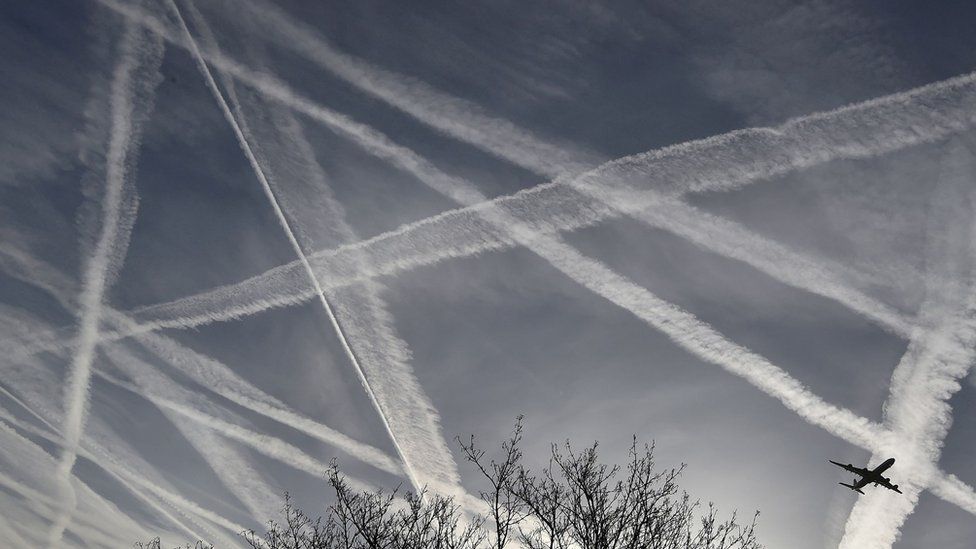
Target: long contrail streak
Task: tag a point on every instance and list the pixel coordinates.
(582, 211)
(680, 326)
(248, 152)
(450, 115)
(917, 410)
(94, 448)
(467, 122)
(31, 459)
(141, 52)
(304, 194)
(819, 150)
(204, 370)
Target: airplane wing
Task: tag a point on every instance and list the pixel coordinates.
(856, 470)
(887, 484)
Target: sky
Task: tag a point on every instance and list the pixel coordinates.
(241, 238)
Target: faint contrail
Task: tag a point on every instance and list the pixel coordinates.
(234, 468)
(23, 453)
(132, 88)
(245, 146)
(683, 328)
(303, 192)
(204, 370)
(467, 122)
(270, 446)
(455, 117)
(917, 411)
(934, 111)
(114, 462)
(858, 148)
(926, 113)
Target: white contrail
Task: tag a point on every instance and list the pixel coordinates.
(734, 241)
(302, 190)
(925, 114)
(466, 121)
(259, 173)
(234, 468)
(682, 327)
(807, 155)
(35, 464)
(122, 463)
(893, 122)
(742, 147)
(455, 117)
(130, 102)
(917, 411)
(204, 370)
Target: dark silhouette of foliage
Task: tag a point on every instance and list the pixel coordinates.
(574, 502)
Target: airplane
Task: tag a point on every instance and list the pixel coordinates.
(869, 476)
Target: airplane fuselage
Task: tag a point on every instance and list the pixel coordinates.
(869, 476)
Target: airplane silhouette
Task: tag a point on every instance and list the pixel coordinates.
(869, 476)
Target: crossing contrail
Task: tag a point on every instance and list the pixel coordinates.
(467, 122)
(742, 147)
(233, 467)
(454, 117)
(96, 516)
(121, 463)
(303, 191)
(204, 370)
(927, 113)
(917, 410)
(132, 90)
(680, 326)
(259, 173)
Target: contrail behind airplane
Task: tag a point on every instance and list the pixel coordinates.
(917, 410)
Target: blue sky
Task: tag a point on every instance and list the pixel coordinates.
(510, 208)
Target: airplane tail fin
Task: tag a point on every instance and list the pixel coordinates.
(852, 487)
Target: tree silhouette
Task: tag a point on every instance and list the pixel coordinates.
(574, 502)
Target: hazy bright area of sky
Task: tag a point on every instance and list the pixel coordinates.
(500, 333)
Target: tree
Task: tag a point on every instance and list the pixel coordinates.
(574, 502)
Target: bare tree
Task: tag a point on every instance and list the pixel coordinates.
(575, 502)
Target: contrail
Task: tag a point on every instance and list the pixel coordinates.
(270, 446)
(917, 410)
(242, 140)
(234, 468)
(132, 90)
(894, 121)
(23, 453)
(454, 117)
(465, 121)
(94, 448)
(857, 149)
(204, 370)
(822, 149)
(303, 192)
(926, 113)
(34, 383)
(682, 327)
